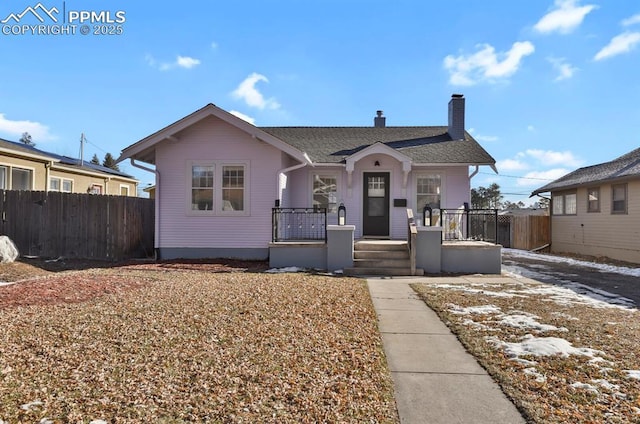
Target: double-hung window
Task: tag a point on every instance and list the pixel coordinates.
(619, 199)
(21, 179)
(565, 204)
(593, 199)
(218, 188)
(325, 192)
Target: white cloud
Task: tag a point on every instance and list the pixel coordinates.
(564, 69)
(249, 93)
(38, 131)
(244, 117)
(214, 45)
(539, 178)
(184, 62)
(619, 44)
(565, 17)
(486, 64)
(635, 19)
(531, 128)
(550, 157)
(480, 137)
(511, 165)
(187, 62)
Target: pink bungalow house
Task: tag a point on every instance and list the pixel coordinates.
(228, 189)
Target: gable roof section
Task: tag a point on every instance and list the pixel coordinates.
(423, 145)
(21, 149)
(144, 150)
(626, 166)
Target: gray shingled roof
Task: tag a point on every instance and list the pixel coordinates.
(625, 166)
(65, 160)
(421, 144)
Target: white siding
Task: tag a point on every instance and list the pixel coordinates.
(213, 139)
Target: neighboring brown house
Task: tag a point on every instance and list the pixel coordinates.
(24, 167)
(595, 210)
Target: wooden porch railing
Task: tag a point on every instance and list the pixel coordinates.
(412, 236)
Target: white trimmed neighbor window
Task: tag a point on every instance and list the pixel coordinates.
(21, 179)
(619, 199)
(325, 192)
(218, 188)
(3, 178)
(124, 190)
(565, 204)
(60, 184)
(95, 189)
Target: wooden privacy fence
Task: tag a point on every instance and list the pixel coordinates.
(529, 232)
(52, 224)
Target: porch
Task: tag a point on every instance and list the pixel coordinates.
(426, 250)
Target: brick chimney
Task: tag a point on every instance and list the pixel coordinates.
(379, 121)
(456, 117)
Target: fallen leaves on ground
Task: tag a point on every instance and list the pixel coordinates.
(185, 345)
(592, 385)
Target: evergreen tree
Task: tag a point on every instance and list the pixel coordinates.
(110, 162)
(95, 159)
(26, 139)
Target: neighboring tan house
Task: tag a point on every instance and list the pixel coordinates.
(595, 210)
(24, 167)
(219, 179)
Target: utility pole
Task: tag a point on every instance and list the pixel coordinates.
(82, 149)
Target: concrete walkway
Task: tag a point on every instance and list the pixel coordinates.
(435, 379)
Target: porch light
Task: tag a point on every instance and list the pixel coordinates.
(342, 214)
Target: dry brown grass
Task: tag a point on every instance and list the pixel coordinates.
(184, 345)
(553, 389)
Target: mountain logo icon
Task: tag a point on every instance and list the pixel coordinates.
(39, 10)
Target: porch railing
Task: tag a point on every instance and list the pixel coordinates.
(299, 224)
(465, 224)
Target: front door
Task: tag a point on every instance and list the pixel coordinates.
(375, 220)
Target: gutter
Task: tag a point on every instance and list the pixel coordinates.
(156, 241)
(287, 170)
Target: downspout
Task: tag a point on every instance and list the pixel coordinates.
(474, 173)
(156, 241)
(287, 170)
(47, 175)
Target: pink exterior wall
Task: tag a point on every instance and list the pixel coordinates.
(455, 189)
(214, 139)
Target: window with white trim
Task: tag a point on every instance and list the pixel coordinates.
(565, 204)
(3, 178)
(95, 189)
(21, 179)
(619, 199)
(54, 184)
(60, 184)
(219, 187)
(233, 188)
(428, 191)
(325, 192)
(202, 187)
(124, 190)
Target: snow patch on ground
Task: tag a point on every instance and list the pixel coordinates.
(285, 269)
(579, 294)
(585, 386)
(30, 406)
(528, 321)
(635, 374)
(531, 371)
(542, 346)
(467, 289)
(480, 310)
(635, 272)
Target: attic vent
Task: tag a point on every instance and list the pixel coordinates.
(379, 121)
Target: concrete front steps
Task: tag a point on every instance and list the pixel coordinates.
(381, 257)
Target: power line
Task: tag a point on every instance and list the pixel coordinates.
(515, 176)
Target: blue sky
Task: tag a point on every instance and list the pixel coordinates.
(550, 85)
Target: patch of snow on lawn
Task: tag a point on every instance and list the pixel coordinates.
(540, 378)
(31, 405)
(472, 323)
(286, 269)
(565, 316)
(529, 322)
(568, 296)
(635, 272)
(635, 374)
(604, 383)
(98, 422)
(481, 310)
(585, 386)
(543, 346)
(467, 289)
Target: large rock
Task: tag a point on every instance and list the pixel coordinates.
(8, 250)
